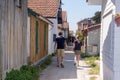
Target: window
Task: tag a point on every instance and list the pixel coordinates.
(36, 43)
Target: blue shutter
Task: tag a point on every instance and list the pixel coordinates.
(44, 37)
(36, 49)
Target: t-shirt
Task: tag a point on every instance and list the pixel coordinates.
(60, 42)
(78, 45)
(73, 39)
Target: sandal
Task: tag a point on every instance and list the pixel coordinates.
(62, 66)
(57, 66)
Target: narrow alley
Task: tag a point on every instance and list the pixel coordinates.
(29, 31)
(69, 72)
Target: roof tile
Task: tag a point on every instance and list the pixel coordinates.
(64, 16)
(47, 8)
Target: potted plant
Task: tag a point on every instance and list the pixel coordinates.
(117, 19)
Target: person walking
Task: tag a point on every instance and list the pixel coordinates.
(60, 45)
(77, 50)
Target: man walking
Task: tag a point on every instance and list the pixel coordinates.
(60, 45)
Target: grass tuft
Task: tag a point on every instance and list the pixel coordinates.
(92, 78)
(90, 60)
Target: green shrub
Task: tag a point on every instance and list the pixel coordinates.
(90, 60)
(82, 54)
(95, 70)
(31, 70)
(12, 74)
(46, 62)
(53, 54)
(93, 78)
(26, 72)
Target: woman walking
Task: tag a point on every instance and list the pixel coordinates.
(77, 50)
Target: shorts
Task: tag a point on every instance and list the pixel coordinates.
(60, 52)
(77, 51)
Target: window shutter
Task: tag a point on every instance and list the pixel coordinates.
(45, 37)
(36, 49)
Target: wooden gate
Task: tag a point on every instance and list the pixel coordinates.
(38, 39)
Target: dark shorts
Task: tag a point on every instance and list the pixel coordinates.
(77, 51)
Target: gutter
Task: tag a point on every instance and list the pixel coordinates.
(46, 20)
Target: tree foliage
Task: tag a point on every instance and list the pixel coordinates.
(97, 17)
(80, 35)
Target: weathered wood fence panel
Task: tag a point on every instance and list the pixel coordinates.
(0, 41)
(13, 34)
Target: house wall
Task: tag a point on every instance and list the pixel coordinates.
(66, 33)
(0, 43)
(50, 40)
(60, 30)
(110, 61)
(116, 45)
(38, 42)
(52, 31)
(13, 28)
(94, 2)
(28, 39)
(93, 39)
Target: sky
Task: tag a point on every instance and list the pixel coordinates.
(78, 10)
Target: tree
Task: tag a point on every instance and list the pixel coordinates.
(69, 38)
(80, 35)
(97, 17)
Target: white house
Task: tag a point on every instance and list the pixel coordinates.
(53, 32)
(110, 39)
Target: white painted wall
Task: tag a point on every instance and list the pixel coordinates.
(93, 39)
(94, 2)
(117, 46)
(53, 30)
(59, 30)
(28, 38)
(110, 39)
(66, 33)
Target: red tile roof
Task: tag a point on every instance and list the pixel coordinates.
(94, 27)
(64, 16)
(47, 8)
